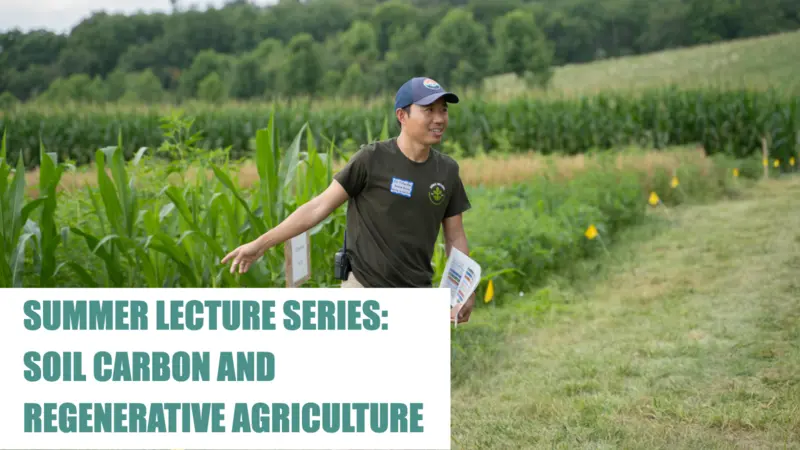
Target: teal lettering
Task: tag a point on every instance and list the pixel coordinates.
(231, 316)
(292, 321)
(175, 314)
(361, 410)
(241, 418)
(161, 323)
(33, 418)
(353, 315)
(309, 313)
(75, 315)
(250, 320)
(218, 418)
(346, 426)
(51, 366)
(226, 371)
(399, 422)
(102, 314)
(52, 321)
(200, 416)
(50, 418)
(156, 423)
(138, 315)
(122, 367)
(260, 418)
(295, 416)
(85, 416)
(327, 315)
(160, 366)
(268, 315)
(280, 418)
(34, 372)
(372, 312)
(341, 319)
(121, 316)
(67, 422)
(101, 359)
(249, 366)
(194, 309)
(102, 418)
(213, 307)
(172, 413)
(379, 417)
(119, 418)
(309, 425)
(86, 315)
(416, 418)
(34, 321)
(330, 417)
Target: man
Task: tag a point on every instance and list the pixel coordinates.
(400, 191)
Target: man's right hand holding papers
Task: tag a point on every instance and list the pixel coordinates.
(461, 275)
(462, 311)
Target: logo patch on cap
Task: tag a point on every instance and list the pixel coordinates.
(430, 84)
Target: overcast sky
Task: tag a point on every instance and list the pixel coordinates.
(62, 15)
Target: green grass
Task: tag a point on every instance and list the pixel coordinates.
(746, 63)
(687, 336)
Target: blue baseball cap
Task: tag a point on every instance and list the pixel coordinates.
(421, 91)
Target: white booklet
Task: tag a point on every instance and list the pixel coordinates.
(461, 275)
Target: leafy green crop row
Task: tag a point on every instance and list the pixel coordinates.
(139, 228)
(732, 122)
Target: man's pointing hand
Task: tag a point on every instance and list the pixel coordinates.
(244, 255)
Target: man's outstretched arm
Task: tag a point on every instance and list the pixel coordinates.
(306, 216)
(302, 219)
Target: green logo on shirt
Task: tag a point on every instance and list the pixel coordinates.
(436, 193)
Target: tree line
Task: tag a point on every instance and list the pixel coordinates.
(354, 47)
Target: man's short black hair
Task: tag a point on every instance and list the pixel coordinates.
(407, 109)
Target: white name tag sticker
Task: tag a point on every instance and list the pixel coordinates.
(402, 187)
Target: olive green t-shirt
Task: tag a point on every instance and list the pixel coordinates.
(395, 212)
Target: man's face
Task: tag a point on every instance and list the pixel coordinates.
(426, 124)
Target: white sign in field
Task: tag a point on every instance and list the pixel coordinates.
(297, 253)
(225, 368)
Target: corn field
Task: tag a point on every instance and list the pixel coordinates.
(722, 121)
(134, 229)
(169, 214)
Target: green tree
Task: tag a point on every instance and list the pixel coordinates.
(247, 80)
(520, 45)
(389, 18)
(204, 64)
(405, 58)
(78, 88)
(457, 37)
(303, 70)
(211, 88)
(7, 100)
(143, 87)
(359, 44)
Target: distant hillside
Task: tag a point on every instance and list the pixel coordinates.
(346, 48)
(746, 63)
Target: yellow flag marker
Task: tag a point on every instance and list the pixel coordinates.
(591, 232)
(735, 172)
(674, 182)
(765, 162)
(489, 292)
(654, 200)
(791, 161)
(776, 163)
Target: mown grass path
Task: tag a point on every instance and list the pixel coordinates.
(689, 338)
